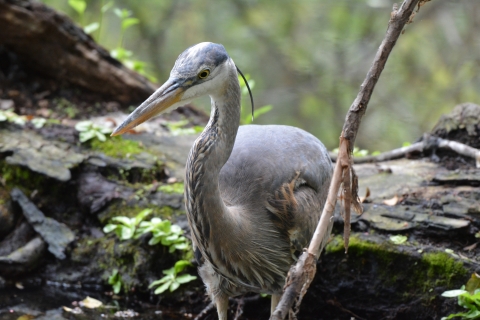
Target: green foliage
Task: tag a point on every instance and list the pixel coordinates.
(398, 239)
(176, 187)
(172, 280)
(126, 20)
(116, 281)
(125, 227)
(246, 117)
(10, 116)
(38, 122)
(88, 130)
(468, 297)
(164, 232)
(177, 128)
(123, 55)
(78, 5)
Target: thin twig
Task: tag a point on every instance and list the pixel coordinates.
(428, 142)
(343, 172)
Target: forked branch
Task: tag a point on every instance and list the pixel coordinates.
(301, 274)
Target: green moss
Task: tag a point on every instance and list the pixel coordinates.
(117, 147)
(176, 187)
(18, 176)
(121, 208)
(442, 268)
(103, 255)
(412, 275)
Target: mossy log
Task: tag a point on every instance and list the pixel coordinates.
(64, 52)
(435, 208)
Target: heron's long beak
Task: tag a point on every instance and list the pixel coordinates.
(166, 96)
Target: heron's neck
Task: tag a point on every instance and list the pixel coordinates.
(206, 210)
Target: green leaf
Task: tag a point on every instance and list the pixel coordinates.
(124, 220)
(172, 237)
(120, 54)
(3, 117)
(180, 265)
(174, 286)
(121, 13)
(100, 136)
(104, 130)
(109, 228)
(37, 122)
(107, 6)
(113, 278)
(453, 293)
(176, 229)
(86, 135)
(154, 240)
(461, 314)
(184, 278)
(83, 125)
(91, 27)
(78, 5)
(117, 287)
(398, 239)
(128, 22)
(169, 272)
(473, 283)
(157, 282)
(163, 287)
(181, 246)
(127, 233)
(141, 215)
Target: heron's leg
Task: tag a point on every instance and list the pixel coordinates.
(222, 307)
(275, 301)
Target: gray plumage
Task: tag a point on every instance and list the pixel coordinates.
(253, 198)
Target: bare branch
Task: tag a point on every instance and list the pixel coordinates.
(426, 144)
(343, 172)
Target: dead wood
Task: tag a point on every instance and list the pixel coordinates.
(343, 170)
(51, 44)
(428, 142)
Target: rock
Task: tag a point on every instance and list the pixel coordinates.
(51, 158)
(18, 238)
(56, 234)
(95, 191)
(7, 219)
(23, 259)
(462, 125)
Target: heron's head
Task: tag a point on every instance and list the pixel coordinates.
(199, 70)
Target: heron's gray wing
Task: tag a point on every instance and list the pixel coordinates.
(279, 169)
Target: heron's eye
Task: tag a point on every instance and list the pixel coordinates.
(203, 74)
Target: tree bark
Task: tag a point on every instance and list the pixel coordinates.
(51, 44)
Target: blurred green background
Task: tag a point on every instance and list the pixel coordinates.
(309, 57)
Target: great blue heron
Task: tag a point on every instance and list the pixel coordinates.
(253, 194)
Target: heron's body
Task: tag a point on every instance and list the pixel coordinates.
(274, 200)
(253, 197)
